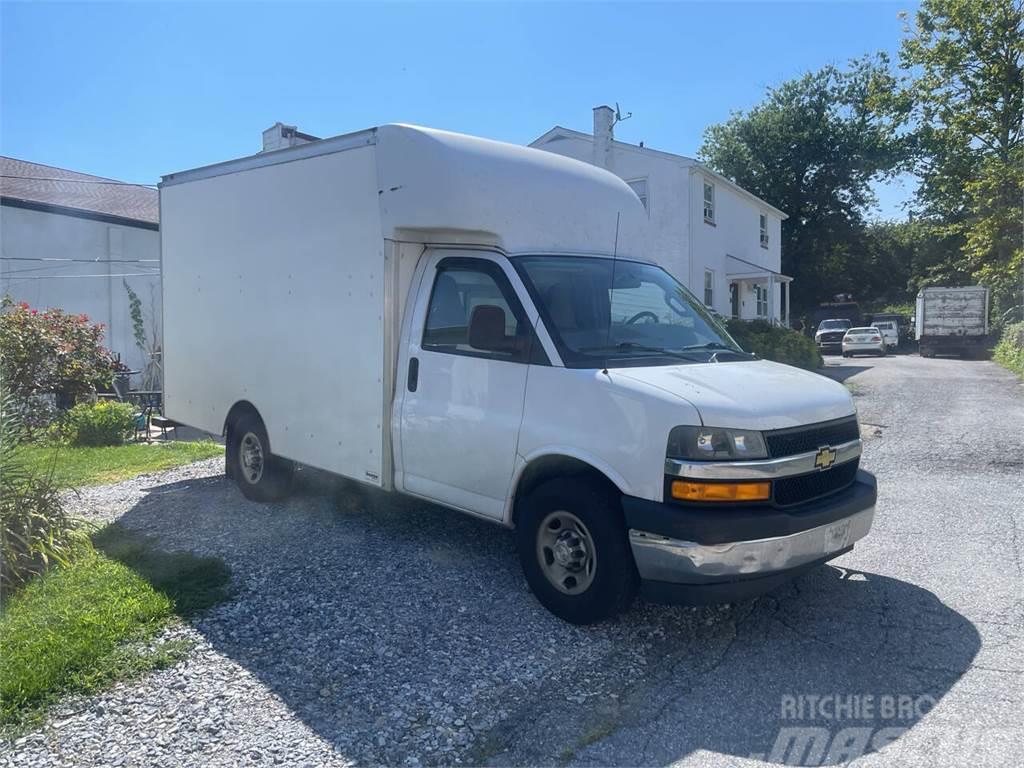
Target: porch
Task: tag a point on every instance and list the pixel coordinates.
(757, 293)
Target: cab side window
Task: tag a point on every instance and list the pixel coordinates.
(468, 291)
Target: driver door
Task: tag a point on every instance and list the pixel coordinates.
(463, 406)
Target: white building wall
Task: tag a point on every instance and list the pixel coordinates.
(680, 239)
(735, 232)
(73, 287)
(667, 191)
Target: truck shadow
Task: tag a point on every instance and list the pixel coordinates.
(398, 630)
(842, 371)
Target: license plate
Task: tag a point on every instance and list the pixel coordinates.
(837, 535)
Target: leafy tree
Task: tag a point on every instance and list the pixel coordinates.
(902, 257)
(813, 148)
(967, 89)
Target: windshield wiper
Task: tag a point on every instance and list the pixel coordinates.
(632, 346)
(714, 345)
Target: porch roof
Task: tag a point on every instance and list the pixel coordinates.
(741, 269)
(778, 277)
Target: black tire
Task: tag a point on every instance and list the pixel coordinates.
(615, 580)
(274, 479)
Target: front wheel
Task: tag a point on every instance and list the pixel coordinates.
(574, 549)
(260, 475)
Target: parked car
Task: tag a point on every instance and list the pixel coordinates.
(890, 332)
(866, 340)
(829, 336)
(481, 325)
(843, 310)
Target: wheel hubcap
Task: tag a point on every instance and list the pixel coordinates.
(566, 553)
(251, 458)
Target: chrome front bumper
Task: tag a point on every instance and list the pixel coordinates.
(664, 559)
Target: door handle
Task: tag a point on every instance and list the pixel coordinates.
(413, 379)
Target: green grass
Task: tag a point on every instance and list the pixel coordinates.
(78, 628)
(75, 466)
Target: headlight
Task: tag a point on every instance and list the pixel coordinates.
(710, 443)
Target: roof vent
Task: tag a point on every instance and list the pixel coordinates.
(280, 136)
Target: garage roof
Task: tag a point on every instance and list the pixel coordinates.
(34, 185)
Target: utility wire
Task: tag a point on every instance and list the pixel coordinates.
(75, 277)
(79, 261)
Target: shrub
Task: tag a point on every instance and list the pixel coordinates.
(35, 530)
(105, 422)
(50, 353)
(1010, 350)
(774, 343)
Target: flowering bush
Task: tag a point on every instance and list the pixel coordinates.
(50, 353)
(102, 423)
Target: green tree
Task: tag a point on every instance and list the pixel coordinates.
(967, 89)
(813, 148)
(904, 256)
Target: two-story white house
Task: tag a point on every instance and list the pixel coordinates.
(716, 238)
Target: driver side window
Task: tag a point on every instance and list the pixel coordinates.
(461, 286)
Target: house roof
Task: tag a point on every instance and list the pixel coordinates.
(560, 132)
(40, 186)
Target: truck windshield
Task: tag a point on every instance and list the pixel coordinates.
(834, 325)
(644, 317)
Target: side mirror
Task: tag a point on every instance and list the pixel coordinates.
(487, 330)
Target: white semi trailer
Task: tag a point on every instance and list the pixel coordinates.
(481, 325)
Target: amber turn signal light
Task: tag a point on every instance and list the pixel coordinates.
(684, 490)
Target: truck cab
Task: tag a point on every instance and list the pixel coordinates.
(496, 341)
(595, 406)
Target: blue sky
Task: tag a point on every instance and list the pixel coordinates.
(139, 90)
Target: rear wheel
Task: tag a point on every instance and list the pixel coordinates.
(574, 549)
(260, 475)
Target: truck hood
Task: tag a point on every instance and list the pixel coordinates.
(758, 394)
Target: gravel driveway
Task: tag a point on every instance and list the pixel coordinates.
(375, 630)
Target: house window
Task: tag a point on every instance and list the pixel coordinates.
(709, 202)
(709, 288)
(761, 295)
(764, 231)
(639, 187)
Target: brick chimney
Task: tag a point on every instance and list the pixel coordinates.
(604, 125)
(279, 136)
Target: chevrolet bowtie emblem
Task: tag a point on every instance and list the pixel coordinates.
(825, 458)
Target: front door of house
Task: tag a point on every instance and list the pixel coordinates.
(734, 299)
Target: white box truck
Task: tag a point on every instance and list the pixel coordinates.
(480, 325)
(952, 321)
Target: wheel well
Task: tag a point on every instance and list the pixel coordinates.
(546, 468)
(238, 410)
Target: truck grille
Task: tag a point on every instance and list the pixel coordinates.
(811, 437)
(831, 338)
(796, 490)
